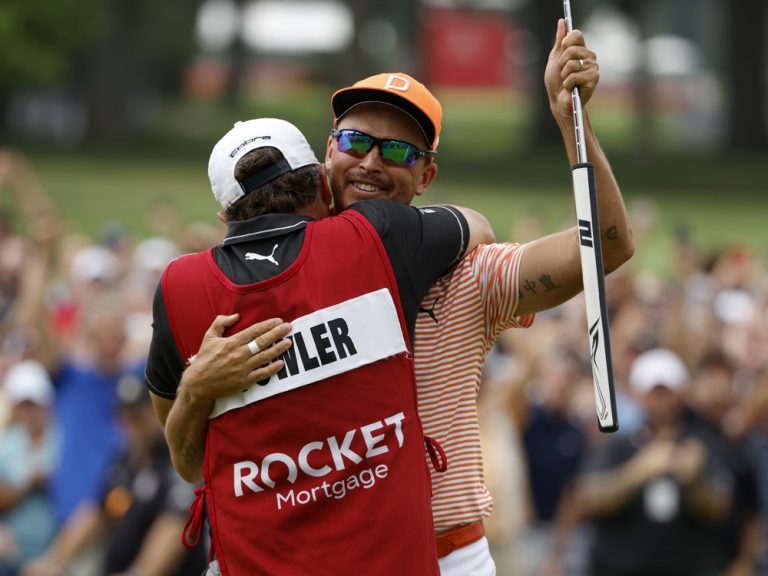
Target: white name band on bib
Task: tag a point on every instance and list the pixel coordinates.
(328, 342)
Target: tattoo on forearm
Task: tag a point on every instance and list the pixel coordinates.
(529, 286)
(545, 282)
(548, 283)
(612, 233)
(188, 451)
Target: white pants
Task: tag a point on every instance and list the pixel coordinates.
(472, 560)
(213, 569)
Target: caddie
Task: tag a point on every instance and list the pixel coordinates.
(313, 462)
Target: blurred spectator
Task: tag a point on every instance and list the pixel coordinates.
(93, 270)
(654, 496)
(149, 258)
(115, 237)
(11, 264)
(750, 422)
(534, 391)
(555, 445)
(85, 362)
(141, 510)
(715, 404)
(503, 454)
(28, 204)
(164, 219)
(27, 455)
(550, 424)
(198, 236)
(757, 446)
(85, 405)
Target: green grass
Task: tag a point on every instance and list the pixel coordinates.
(92, 191)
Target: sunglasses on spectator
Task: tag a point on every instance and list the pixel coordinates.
(395, 152)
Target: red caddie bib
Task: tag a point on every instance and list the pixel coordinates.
(321, 469)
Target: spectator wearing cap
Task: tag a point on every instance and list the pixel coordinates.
(141, 510)
(93, 270)
(655, 496)
(27, 454)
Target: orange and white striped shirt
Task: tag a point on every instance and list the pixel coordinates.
(462, 316)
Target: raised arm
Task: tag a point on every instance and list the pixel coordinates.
(550, 272)
(31, 311)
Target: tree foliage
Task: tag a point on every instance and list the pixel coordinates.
(38, 39)
(159, 38)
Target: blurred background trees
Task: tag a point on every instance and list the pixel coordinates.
(77, 69)
(97, 70)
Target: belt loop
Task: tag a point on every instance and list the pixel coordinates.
(436, 454)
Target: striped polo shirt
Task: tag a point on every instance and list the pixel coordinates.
(460, 319)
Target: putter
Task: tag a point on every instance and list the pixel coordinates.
(592, 268)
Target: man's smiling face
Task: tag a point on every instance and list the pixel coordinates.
(354, 179)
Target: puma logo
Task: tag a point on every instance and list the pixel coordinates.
(430, 311)
(270, 258)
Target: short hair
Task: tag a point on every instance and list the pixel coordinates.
(285, 194)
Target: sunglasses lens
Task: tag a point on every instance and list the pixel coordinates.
(358, 144)
(400, 153)
(355, 143)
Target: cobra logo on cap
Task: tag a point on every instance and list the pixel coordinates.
(395, 82)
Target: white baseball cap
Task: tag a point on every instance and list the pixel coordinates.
(245, 137)
(28, 380)
(735, 307)
(658, 367)
(95, 264)
(153, 254)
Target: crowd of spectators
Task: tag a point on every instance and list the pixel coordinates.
(681, 489)
(86, 482)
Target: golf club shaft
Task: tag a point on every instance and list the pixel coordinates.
(590, 250)
(578, 117)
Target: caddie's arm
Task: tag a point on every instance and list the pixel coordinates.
(480, 230)
(550, 272)
(223, 366)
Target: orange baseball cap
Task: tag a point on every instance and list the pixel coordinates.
(397, 89)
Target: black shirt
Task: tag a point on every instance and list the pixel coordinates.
(655, 533)
(135, 497)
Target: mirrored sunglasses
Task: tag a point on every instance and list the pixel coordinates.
(396, 152)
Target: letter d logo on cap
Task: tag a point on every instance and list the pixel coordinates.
(395, 82)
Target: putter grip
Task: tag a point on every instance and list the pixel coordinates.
(594, 295)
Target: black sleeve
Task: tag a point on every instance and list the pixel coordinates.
(422, 245)
(164, 363)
